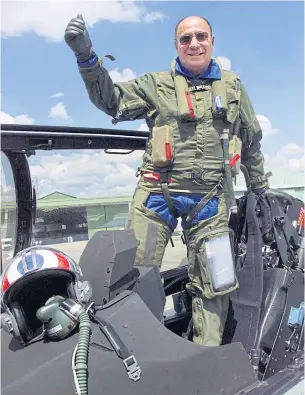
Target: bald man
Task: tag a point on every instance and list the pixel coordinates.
(199, 116)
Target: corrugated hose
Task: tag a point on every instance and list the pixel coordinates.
(80, 355)
(227, 171)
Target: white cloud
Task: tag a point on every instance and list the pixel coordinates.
(59, 111)
(291, 149)
(297, 165)
(287, 167)
(122, 173)
(22, 119)
(225, 62)
(289, 158)
(266, 126)
(86, 173)
(49, 19)
(57, 95)
(124, 76)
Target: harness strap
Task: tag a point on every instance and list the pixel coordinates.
(122, 351)
(199, 206)
(162, 177)
(168, 200)
(247, 300)
(164, 187)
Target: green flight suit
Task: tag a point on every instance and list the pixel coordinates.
(159, 98)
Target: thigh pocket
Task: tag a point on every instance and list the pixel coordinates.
(211, 253)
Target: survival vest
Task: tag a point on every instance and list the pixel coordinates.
(189, 146)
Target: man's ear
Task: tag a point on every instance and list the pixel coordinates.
(213, 40)
(176, 45)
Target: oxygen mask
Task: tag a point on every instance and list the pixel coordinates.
(60, 316)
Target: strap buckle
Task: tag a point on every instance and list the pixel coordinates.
(160, 176)
(220, 183)
(132, 367)
(197, 177)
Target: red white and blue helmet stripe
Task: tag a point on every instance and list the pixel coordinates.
(32, 261)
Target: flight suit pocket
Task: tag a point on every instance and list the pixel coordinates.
(235, 146)
(162, 146)
(133, 110)
(211, 253)
(233, 105)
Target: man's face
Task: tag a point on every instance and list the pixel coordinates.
(194, 44)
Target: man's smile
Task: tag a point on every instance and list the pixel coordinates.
(195, 54)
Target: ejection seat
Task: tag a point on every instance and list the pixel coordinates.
(265, 311)
(275, 287)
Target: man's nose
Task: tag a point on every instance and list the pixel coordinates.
(194, 42)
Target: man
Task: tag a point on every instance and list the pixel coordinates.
(191, 111)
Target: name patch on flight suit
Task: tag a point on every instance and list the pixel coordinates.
(199, 87)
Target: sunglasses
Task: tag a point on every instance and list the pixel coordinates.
(187, 38)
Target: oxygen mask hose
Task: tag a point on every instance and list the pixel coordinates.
(60, 316)
(246, 176)
(227, 171)
(81, 354)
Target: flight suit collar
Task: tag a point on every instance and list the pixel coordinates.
(213, 71)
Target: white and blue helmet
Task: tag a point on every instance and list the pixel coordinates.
(29, 280)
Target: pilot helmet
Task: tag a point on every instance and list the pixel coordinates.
(29, 280)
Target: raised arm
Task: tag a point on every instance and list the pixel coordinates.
(125, 101)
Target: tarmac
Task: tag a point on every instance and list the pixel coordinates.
(173, 256)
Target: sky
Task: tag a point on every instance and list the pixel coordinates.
(40, 84)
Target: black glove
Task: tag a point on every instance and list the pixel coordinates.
(78, 39)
